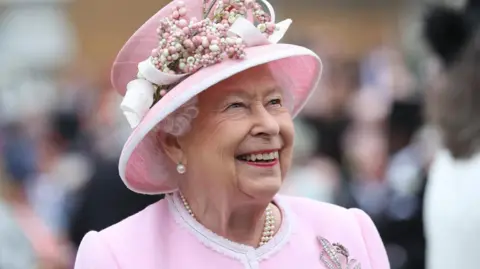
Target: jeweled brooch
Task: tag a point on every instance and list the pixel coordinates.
(336, 256)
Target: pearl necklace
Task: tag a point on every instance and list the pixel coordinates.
(268, 228)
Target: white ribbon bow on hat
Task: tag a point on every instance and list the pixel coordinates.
(252, 36)
(139, 95)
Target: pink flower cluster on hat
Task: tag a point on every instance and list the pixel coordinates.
(186, 46)
(227, 30)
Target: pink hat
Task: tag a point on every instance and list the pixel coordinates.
(173, 57)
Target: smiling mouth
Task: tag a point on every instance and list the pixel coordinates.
(268, 158)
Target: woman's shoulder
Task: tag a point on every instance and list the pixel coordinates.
(307, 206)
(351, 227)
(145, 219)
(326, 214)
(105, 248)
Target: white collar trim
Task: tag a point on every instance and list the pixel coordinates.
(225, 246)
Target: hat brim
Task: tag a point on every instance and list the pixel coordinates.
(139, 165)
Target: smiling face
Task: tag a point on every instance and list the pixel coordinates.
(241, 141)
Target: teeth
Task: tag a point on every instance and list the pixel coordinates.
(266, 156)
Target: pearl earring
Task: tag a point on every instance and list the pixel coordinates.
(181, 168)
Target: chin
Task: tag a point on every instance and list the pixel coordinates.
(262, 190)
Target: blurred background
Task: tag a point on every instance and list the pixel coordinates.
(363, 140)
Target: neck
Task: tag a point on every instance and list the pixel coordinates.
(239, 222)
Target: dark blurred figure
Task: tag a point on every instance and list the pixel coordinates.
(331, 132)
(329, 113)
(104, 201)
(402, 228)
(404, 120)
(67, 131)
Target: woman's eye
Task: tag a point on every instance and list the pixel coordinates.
(275, 102)
(236, 105)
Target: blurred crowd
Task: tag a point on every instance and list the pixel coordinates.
(59, 178)
(363, 141)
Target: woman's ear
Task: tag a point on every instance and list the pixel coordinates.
(172, 148)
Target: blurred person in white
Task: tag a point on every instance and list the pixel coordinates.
(452, 218)
(25, 241)
(312, 176)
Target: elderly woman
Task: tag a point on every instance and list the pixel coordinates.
(212, 109)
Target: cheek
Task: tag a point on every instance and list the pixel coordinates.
(286, 161)
(287, 131)
(228, 136)
(218, 139)
(287, 134)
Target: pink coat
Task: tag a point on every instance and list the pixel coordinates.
(165, 236)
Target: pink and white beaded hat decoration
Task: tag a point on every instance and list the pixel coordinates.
(184, 49)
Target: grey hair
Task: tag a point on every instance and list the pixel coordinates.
(179, 122)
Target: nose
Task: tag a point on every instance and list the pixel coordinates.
(265, 124)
